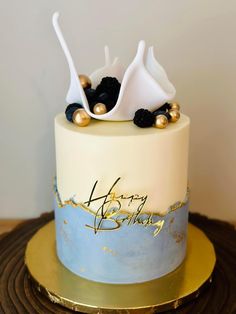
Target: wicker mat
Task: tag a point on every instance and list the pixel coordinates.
(18, 295)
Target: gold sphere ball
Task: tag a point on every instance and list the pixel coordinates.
(174, 115)
(161, 121)
(80, 117)
(100, 108)
(85, 81)
(175, 106)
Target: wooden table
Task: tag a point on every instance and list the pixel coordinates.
(7, 225)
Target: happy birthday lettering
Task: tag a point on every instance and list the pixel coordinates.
(110, 216)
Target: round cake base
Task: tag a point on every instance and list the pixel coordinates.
(67, 289)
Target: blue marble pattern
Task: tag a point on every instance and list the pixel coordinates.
(129, 254)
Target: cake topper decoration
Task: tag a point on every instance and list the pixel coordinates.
(70, 111)
(169, 112)
(80, 117)
(144, 84)
(114, 209)
(85, 81)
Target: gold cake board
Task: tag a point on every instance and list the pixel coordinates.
(168, 292)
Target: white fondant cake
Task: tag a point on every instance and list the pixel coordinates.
(121, 199)
(121, 203)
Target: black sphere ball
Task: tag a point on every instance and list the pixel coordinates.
(92, 104)
(90, 94)
(144, 118)
(165, 113)
(74, 105)
(70, 109)
(163, 108)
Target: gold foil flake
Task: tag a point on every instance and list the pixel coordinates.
(108, 250)
(159, 224)
(178, 236)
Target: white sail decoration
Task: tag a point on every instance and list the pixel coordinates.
(159, 74)
(143, 85)
(75, 90)
(114, 69)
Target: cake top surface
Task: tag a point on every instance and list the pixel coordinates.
(121, 128)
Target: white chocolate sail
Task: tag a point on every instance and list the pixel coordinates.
(143, 85)
(159, 74)
(114, 69)
(75, 89)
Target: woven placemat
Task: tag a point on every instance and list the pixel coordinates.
(18, 295)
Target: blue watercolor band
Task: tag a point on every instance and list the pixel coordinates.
(130, 254)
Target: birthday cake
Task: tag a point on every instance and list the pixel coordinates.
(121, 194)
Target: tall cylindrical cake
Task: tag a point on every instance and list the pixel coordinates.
(121, 196)
(121, 199)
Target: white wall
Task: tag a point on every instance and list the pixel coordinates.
(196, 43)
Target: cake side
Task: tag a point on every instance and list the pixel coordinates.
(121, 250)
(121, 207)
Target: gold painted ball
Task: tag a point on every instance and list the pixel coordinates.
(175, 106)
(161, 121)
(85, 81)
(174, 115)
(80, 117)
(100, 108)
